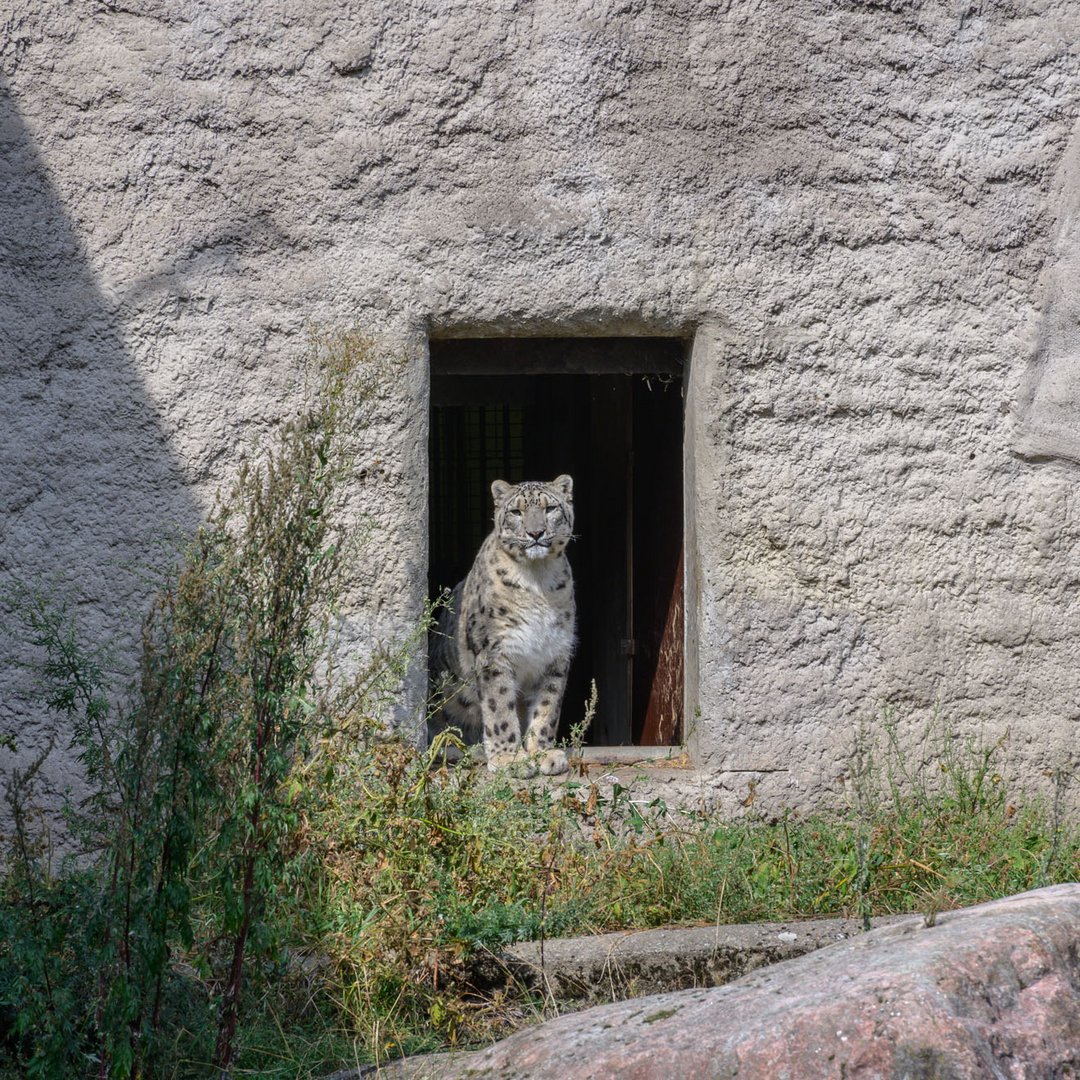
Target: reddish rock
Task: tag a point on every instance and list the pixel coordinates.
(991, 991)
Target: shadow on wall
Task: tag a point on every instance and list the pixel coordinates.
(87, 481)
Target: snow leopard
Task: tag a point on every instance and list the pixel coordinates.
(501, 649)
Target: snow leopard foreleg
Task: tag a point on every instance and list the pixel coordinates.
(502, 729)
(544, 720)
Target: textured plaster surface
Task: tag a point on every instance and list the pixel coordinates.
(866, 213)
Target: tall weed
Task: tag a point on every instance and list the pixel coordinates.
(190, 831)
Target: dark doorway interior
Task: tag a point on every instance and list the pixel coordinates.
(609, 411)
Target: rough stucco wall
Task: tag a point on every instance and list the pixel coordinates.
(858, 204)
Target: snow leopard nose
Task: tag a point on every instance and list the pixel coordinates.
(536, 535)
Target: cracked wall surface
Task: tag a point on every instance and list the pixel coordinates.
(864, 211)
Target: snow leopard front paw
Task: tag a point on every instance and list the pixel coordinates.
(515, 763)
(552, 762)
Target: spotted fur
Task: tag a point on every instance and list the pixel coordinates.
(502, 650)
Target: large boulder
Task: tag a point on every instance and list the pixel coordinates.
(991, 991)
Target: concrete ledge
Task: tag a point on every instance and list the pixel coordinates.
(610, 967)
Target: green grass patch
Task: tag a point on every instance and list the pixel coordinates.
(441, 865)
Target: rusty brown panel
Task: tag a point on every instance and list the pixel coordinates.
(663, 715)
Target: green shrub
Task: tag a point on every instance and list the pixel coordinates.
(189, 834)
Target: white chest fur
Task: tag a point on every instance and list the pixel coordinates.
(542, 631)
(543, 637)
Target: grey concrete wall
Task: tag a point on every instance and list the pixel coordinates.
(865, 210)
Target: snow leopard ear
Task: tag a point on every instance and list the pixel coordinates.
(499, 490)
(564, 485)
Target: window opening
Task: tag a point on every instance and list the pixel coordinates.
(609, 411)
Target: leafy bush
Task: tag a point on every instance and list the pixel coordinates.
(189, 834)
